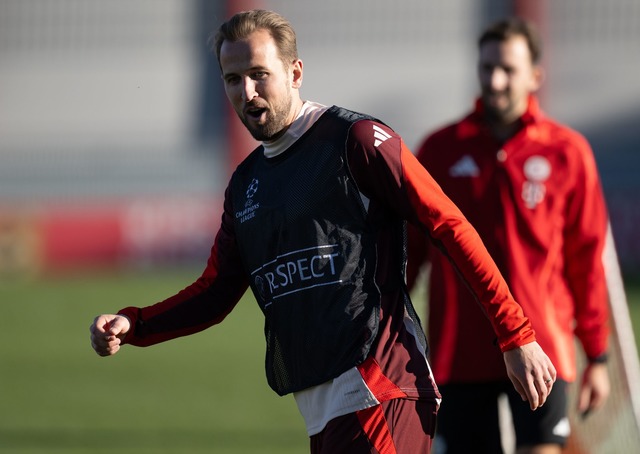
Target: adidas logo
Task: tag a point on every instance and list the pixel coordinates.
(380, 135)
(465, 167)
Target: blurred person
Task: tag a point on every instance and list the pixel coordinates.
(314, 222)
(530, 187)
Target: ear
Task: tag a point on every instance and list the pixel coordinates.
(296, 70)
(537, 77)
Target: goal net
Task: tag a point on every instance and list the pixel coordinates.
(616, 427)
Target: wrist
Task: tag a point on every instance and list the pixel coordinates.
(600, 359)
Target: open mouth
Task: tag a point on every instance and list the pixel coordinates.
(255, 113)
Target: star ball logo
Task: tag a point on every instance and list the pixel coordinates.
(261, 287)
(251, 191)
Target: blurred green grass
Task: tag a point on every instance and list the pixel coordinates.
(203, 393)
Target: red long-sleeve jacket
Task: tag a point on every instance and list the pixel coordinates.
(537, 203)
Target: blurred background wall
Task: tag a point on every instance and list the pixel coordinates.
(116, 140)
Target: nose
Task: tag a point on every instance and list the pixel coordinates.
(249, 90)
(498, 79)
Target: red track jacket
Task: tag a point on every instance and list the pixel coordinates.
(537, 204)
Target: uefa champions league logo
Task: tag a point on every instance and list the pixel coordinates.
(250, 206)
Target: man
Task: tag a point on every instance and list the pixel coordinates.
(313, 221)
(530, 187)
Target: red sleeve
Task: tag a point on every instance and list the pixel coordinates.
(204, 303)
(585, 237)
(417, 243)
(385, 170)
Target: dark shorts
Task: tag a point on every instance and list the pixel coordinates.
(397, 426)
(468, 418)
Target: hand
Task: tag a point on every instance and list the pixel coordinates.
(594, 389)
(531, 373)
(107, 332)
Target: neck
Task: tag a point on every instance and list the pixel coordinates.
(307, 115)
(296, 107)
(503, 131)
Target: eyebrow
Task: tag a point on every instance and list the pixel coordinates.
(251, 69)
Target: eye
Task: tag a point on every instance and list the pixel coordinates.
(259, 75)
(486, 68)
(231, 79)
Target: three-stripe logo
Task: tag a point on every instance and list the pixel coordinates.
(380, 135)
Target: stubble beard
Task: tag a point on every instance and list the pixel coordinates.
(277, 120)
(503, 113)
